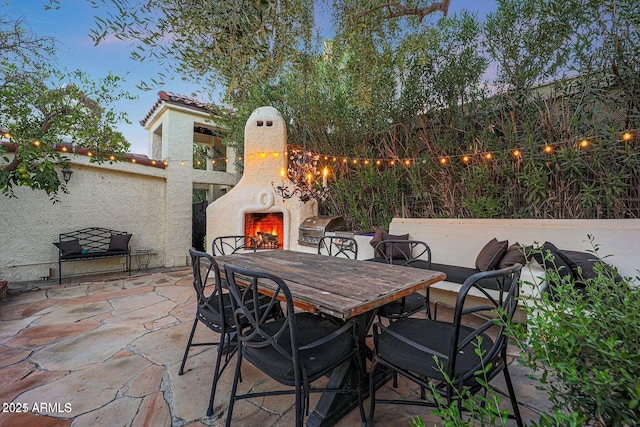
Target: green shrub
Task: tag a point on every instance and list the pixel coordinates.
(585, 344)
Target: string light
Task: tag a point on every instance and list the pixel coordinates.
(517, 153)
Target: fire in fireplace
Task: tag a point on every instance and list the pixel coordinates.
(266, 228)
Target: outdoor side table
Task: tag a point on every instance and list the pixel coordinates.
(143, 258)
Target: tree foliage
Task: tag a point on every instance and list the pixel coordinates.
(396, 83)
(41, 107)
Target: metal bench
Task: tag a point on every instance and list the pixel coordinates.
(93, 243)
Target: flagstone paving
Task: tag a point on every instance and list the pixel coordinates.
(107, 353)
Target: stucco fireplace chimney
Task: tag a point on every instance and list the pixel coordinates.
(265, 148)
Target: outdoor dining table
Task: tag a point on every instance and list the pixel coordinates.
(338, 287)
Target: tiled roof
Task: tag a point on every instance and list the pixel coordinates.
(176, 99)
(68, 147)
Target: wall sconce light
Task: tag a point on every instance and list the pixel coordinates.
(66, 174)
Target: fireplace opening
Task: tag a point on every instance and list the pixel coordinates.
(266, 228)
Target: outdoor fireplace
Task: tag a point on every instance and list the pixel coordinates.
(266, 228)
(252, 207)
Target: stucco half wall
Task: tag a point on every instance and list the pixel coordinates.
(458, 241)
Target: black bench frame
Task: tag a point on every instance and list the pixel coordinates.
(96, 242)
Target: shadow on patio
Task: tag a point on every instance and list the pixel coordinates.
(107, 352)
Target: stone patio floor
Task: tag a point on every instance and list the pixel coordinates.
(106, 352)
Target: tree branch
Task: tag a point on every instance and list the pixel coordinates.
(402, 10)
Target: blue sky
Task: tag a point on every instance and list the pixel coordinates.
(71, 25)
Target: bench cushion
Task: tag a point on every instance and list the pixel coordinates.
(456, 274)
(89, 255)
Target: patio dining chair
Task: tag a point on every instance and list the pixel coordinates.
(214, 310)
(337, 246)
(228, 245)
(295, 350)
(409, 253)
(428, 351)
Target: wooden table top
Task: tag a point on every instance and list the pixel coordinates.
(339, 287)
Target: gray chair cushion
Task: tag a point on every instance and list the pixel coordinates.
(410, 304)
(309, 328)
(432, 334)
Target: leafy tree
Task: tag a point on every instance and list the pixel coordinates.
(41, 107)
(402, 80)
(234, 43)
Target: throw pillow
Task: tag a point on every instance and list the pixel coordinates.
(491, 254)
(69, 247)
(397, 250)
(119, 242)
(377, 238)
(555, 260)
(582, 265)
(514, 255)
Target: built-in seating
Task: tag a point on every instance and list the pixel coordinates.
(456, 245)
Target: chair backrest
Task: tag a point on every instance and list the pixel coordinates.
(252, 313)
(228, 245)
(206, 278)
(411, 253)
(338, 246)
(503, 305)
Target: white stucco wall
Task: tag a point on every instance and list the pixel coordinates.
(121, 196)
(153, 204)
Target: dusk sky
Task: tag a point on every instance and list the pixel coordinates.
(71, 25)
